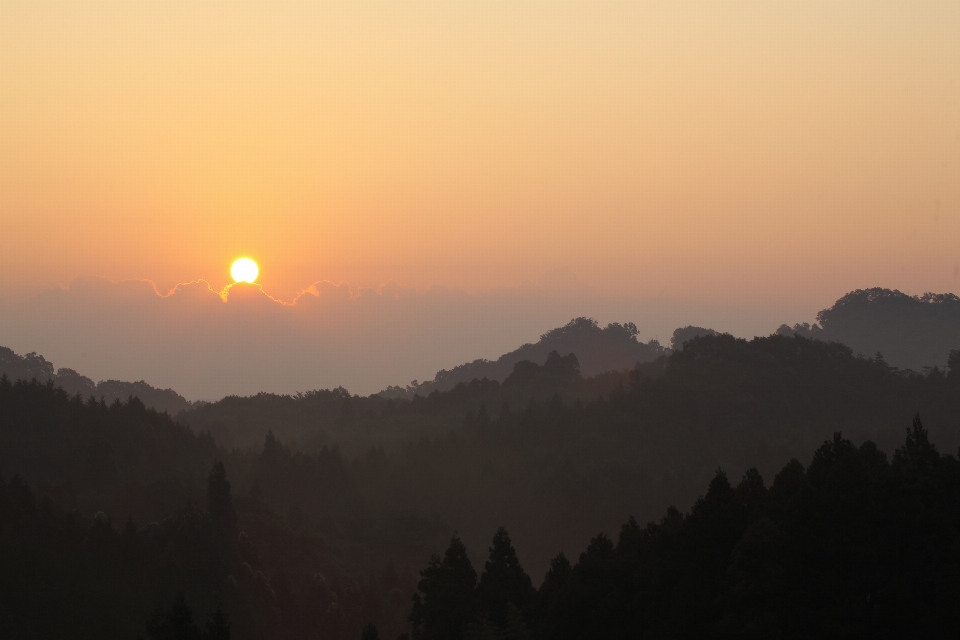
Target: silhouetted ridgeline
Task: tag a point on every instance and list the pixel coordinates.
(36, 366)
(912, 332)
(354, 423)
(614, 348)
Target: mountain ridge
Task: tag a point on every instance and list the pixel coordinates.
(33, 365)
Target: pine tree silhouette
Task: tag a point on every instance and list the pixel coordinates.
(504, 581)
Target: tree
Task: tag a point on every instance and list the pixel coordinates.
(917, 452)
(175, 623)
(504, 581)
(218, 627)
(219, 503)
(447, 601)
(370, 632)
(514, 626)
(483, 418)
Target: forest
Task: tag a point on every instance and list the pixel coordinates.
(334, 523)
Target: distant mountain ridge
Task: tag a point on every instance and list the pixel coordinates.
(911, 332)
(598, 350)
(32, 366)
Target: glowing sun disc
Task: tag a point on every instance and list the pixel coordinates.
(244, 270)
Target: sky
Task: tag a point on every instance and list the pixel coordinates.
(737, 164)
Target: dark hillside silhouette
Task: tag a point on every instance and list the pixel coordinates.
(598, 350)
(36, 366)
(912, 332)
(319, 418)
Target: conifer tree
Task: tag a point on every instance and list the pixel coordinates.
(219, 503)
(504, 581)
(447, 599)
(218, 627)
(175, 623)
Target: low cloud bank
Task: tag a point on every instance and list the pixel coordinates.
(205, 347)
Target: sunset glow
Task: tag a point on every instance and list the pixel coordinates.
(647, 148)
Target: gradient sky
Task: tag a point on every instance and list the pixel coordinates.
(762, 154)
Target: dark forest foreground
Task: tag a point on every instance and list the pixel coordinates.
(114, 513)
(852, 545)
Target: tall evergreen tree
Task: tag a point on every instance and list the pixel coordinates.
(218, 627)
(447, 601)
(504, 581)
(483, 418)
(219, 502)
(175, 623)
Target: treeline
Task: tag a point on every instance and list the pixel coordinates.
(600, 350)
(320, 418)
(912, 332)
(851, 546)
(32, 365)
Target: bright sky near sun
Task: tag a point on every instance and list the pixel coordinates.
(701, 150)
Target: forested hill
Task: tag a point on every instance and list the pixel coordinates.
(531, 454)
(911, 332)
(32, 365)
(853, 545)
(598, 350)
(348, 518)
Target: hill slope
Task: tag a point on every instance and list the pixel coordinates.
(30, 366)
(598, 350)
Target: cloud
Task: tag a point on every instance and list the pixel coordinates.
(206, 343)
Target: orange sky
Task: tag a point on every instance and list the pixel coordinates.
(702, 150)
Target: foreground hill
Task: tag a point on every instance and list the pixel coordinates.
(31, 366)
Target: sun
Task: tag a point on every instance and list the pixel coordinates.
(244, 270)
